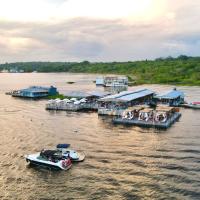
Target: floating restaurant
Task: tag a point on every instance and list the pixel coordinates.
(171, 98)
(161, 117)
(112, 81)
(35, 92)
(116, 104)
(77, 101)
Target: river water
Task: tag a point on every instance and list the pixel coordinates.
(121, 162)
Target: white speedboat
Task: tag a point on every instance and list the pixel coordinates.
(49, 159)
(69, 153)
(195, 105)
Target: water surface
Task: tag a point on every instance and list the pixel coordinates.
(121, 162)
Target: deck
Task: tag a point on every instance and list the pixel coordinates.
(148, 124)
(72, 107)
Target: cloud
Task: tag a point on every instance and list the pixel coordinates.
(175, 32)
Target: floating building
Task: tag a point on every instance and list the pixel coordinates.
(116, 104)
(112, 81)
(77, 101)
(171, 98)
(35, 92)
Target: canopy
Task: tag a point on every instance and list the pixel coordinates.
(62, 146)
(50, 153)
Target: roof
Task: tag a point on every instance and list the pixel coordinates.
(173, 94)
(99, 93)
(63, 146)
(127, 96)
(77, 94)
(137, 107)
(36, 89)
(81, 94)
(164, 108)
(146, 110)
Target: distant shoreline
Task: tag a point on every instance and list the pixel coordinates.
(182, 70)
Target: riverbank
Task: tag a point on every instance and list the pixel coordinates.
(175, 71)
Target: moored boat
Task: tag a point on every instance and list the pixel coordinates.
(49, 159)
(70, 153)
(195, 105)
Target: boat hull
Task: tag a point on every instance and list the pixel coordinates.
(43, 165)
(191, 106)
(32, 160)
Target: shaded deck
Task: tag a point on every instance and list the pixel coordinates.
(148, 124)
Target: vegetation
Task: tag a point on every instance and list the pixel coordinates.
(57, 96)
(182, 70)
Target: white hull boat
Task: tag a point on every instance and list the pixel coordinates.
(194, 105)
(49, 159)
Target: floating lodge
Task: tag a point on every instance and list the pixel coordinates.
(112, 81)
(116, 104)
(35, 92)
(161, 117)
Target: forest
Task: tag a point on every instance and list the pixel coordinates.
(183, 70)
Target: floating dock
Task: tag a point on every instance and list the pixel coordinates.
(71, 106)
(149, 124)
(77, 101)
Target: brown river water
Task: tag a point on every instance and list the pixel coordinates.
(121, 162)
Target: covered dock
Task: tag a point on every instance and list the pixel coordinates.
(116, 104)
(77, 101)
(171, 98)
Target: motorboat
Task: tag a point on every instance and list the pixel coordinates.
(70, 153)
(52, 159)
(195, 105)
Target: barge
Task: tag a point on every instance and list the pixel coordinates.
(161, 117)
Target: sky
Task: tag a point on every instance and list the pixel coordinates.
(98, 30)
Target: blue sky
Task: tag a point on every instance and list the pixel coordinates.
(98, 30)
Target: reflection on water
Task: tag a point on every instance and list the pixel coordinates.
(121, 162)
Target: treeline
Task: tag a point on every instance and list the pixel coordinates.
(182, 70)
